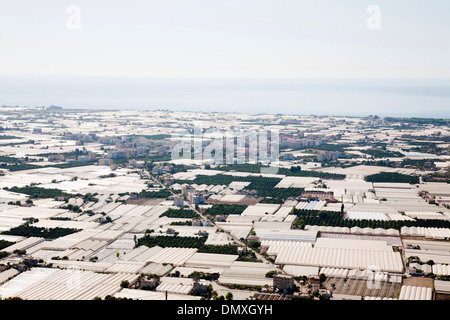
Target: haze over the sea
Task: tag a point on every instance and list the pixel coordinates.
(404, 98)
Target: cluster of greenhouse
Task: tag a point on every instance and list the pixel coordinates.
(341, 258)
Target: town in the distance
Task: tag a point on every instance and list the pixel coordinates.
(163, 205)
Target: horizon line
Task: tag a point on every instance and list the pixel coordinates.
(222, 112)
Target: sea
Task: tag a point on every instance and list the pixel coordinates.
(335, 97)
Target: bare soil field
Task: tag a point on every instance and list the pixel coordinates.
(418, 282)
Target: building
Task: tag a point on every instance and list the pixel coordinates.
(132, 163)
(83, 158)
(157, 170)
(301, 295)
(168, 179)
(105, 162)
(56, 157)
(171, 231)
(178, 201)
(313, 280)
(201, 286)
(149, 283)
(242, 250)
(117, 154)
(328, 155)
(196, 198)
(30, 261)
(221, 218)
(283, 282)
(202, 223)
(187, 189)
(92, 156)
(413, 271)
(253, 239)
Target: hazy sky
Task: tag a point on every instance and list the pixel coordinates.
(226, 39)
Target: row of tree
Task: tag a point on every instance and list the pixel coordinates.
(37, 192)
(180, 213)
(171, 241)
(293, 171)
(336, 219)
(392, 177)
(221, 249)
(5, 244)
(272, 200)
(161, 194)
(377, 153)
(186, 242)
(25, 230)
(225, 209)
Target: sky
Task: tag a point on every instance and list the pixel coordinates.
(239, 39)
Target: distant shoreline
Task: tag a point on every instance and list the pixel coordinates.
(87, 110)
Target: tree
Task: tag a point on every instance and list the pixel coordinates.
(270, 274)
(229, 296)
(30, 231)
(176, 274)
(124, 284)
(322, 277)
(300, 223)
(255, 244)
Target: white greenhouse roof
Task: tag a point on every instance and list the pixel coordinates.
(415, 293)
(211, 260)
(341, 258)
(136, 294)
